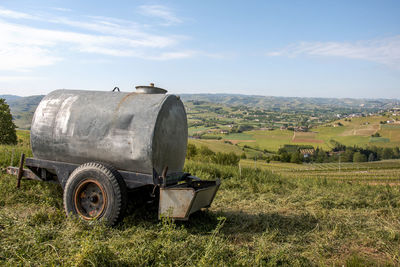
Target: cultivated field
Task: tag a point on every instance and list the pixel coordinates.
(356, 132)
(377, 172)
(275, 214)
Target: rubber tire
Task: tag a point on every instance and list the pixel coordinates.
(112, 182)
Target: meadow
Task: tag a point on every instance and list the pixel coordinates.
(265, 216)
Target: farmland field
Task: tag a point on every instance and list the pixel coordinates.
(216, 145)
(275, 214)
(356, 132)
(379, 172)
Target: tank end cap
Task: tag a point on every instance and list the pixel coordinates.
(142, 89)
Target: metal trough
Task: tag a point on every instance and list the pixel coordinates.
(181, 200)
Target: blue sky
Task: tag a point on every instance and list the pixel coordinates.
(278, 48)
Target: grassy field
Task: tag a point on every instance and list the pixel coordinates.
(216, 145)
(266, 217)
(10, 155)
(377, 172)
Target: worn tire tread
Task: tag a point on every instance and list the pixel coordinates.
(115, 179)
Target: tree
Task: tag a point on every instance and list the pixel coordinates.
(320, 155)
(285, 157)
(387, 153)
(359, 157)
(396, 152)
(371, 157)
(296, 158)
(347, 156)
(8, 135)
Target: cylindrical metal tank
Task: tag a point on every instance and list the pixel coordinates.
(138, 131)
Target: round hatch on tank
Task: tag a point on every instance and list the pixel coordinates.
(142, 89)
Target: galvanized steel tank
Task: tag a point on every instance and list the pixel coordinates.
(138, 131)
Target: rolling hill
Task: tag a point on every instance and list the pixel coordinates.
(22, 108)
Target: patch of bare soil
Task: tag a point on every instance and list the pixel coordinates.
(241, 141)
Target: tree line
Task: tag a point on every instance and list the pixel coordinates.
(341, 152)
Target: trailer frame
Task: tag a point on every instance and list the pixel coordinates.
(181, 194)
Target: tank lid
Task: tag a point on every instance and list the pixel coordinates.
(142, 89)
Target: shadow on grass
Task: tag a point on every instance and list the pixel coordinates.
(241, 222)
(237, 222)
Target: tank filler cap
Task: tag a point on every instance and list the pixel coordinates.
(142, 89)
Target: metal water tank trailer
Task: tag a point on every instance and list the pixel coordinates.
(137, 131)
(98, 145)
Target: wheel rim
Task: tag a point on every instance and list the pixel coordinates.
(90, 199)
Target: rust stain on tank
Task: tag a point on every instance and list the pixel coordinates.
(123, 100)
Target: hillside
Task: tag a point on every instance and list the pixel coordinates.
(300, 103)
(22, 108)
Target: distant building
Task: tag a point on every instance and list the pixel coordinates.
(307, 152)
(301, 129)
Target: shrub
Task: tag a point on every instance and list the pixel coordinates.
(191, 151)
(226, 158)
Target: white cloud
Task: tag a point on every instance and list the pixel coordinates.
(23, 46)
(161, 12)
(6, 79)
(14, 14)
(384, 51)
(175, 55)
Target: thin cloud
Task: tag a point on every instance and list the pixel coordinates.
(18, 78)
(24, 47)
(161, 12)
(384, 51)
(14, 14)
(62, 9)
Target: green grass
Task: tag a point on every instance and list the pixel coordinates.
(379, 140)
(216, 145)
(381, 172)
(260, 217)
(10, 155)
(391, 126)
(238, 136)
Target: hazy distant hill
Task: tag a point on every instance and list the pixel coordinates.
(299, 103)
(23, 108)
